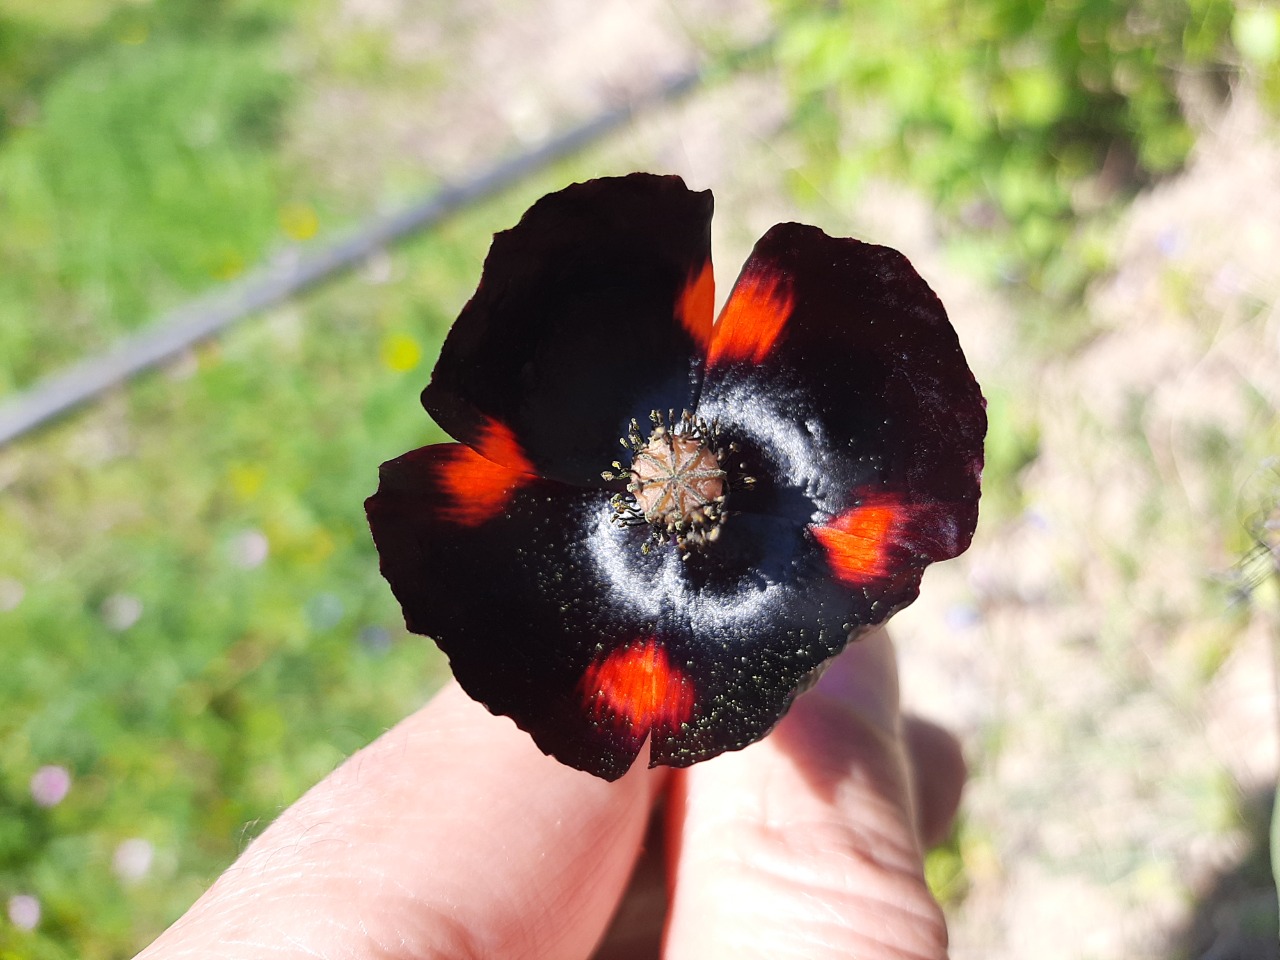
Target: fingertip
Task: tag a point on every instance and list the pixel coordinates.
(864, 680)
(939, 773)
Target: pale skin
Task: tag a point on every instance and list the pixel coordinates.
(453, 836)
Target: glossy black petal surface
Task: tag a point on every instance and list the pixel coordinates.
(834, 366)
(747, 619)
(592, 310)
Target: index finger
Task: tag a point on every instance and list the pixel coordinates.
(451, 835)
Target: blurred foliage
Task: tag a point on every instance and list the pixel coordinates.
(42, 41)
(191, 622)
(1015, 116)
(201, 632)
(1256, 34)
(136, 174)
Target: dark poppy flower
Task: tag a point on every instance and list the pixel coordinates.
(656, 527)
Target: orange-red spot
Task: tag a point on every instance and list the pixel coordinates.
(860, 541)
(696, 307)
(496, 442)
(757, 310)
(637, 689)
(477, 486)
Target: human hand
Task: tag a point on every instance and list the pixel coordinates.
(452, 836)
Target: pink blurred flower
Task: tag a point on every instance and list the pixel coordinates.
(249, 549)
(24, 911)
(49, 785)
(133, 858)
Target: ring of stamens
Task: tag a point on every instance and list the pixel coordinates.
(675, 481)
(675, 477)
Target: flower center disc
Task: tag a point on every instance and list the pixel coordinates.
(675, 478)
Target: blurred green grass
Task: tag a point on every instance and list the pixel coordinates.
(139, 173)
(192, 622)
(1022, 120)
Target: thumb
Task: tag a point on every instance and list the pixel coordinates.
(805, 844)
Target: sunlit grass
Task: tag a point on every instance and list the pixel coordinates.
(193, 627)
(148, 174)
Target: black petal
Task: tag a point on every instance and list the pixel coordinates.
(835, 368)
(592, 310)
(834, 382)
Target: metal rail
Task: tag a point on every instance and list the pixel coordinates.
(297, 269)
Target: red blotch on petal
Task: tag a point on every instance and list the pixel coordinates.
(635, 688)
(696, 307)
(861, 542)
(477, 485)
(757, 310)
(496, 442)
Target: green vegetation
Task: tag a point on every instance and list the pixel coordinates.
(135, 176)
(1016, 117)
(191, 623)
